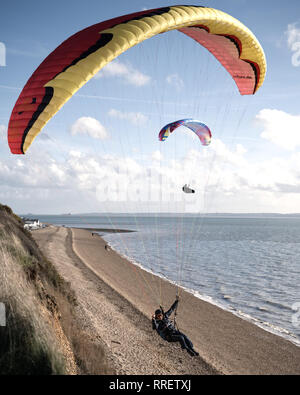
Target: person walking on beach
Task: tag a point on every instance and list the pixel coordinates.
(166, 329)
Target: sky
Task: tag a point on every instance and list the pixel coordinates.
(100, 152)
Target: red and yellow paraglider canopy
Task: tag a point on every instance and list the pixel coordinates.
(82, 55)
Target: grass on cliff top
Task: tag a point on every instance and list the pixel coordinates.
(27, 345)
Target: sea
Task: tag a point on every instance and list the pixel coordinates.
(246, 264)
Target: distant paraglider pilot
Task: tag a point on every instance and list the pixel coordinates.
(166, 329)
(186, 188)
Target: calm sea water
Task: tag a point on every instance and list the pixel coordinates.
(248, 265)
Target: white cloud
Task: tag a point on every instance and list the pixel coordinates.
(76, 154)
(175, 81)
(90, 126)
(129, 74)
(293, 41)
(220, 153)
(157, 156)
(113, 69)
(224, 178)
(58, 172)
(135, 77)
(41, 172)
(280, 128)
(136, 118)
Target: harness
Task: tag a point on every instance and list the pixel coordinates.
(172, 320)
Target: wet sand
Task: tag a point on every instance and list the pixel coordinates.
(117, 299)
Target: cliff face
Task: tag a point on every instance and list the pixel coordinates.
(32, 296)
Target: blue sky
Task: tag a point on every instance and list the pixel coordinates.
(101, 149)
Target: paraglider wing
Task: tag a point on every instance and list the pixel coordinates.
(199, 128)
(82, 55)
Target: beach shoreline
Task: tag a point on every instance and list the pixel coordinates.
(108, 230)
(227, 343)
(285, 334)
